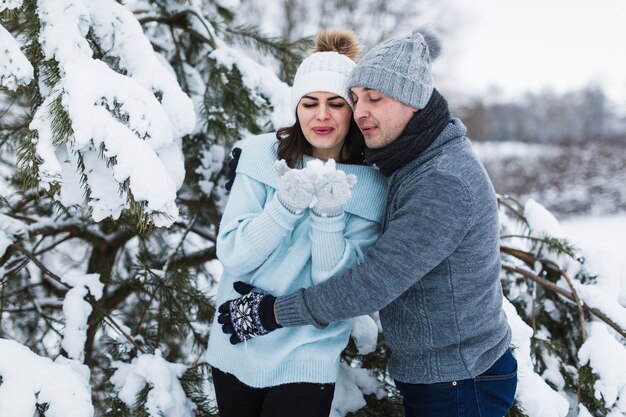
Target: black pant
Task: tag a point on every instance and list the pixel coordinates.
(236, 399)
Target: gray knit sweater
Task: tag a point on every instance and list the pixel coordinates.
(433, 274)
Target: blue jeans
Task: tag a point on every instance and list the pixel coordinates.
(490, 394)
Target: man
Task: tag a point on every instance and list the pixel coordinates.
(434, 272)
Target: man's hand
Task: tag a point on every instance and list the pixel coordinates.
(248, 316)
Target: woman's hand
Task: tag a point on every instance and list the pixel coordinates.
(296, 188)
(333, 188)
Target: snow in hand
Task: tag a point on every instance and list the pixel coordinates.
(332, 186)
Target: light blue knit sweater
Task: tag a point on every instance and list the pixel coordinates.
(264, 244)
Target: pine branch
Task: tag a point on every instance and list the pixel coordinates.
(74, 229)
(552, 244)
(579, 304)
(196, 258)
(90, 298)
(193, 381)
(555, 288)
(508, 202)
(288, 53)
(250, 36)
(53, 245)
(49, 320)
(170, 258)
(178, 21)
(210, 236)
(28, 162)
(528, 258)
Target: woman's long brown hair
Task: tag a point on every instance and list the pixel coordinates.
(292, 145)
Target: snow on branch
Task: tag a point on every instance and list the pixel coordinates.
(125, 128)
(120, 35)
(534, 395)
(352, 384)
(365, 334)
(261, 81)
(29, 379)
(15, 70)
(165, 398)
(77, 310)
(535, 248)
(9, 230)
(64, 25)
(10, 5)
(607, 357)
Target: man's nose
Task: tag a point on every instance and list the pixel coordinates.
(360, 111)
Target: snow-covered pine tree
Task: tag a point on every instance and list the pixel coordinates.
(569, 328)
(115, 124)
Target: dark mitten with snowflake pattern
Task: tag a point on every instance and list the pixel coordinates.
(250, 315)
(232, 168)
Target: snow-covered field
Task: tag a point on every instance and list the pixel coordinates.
(569, 180)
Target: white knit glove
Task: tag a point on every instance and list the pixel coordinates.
(296, 188)
(333, 188)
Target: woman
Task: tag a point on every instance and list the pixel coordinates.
(291, 229)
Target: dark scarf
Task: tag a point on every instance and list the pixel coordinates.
(420, 132)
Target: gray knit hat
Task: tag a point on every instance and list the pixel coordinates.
(400, 68)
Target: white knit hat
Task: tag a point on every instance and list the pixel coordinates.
(324, 72)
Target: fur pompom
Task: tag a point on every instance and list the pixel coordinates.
(341, 41)
(433, 42)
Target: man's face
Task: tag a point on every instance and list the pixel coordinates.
(380, 118)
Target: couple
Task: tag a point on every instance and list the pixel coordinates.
(305, 247)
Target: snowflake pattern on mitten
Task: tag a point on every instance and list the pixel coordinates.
(244, 314)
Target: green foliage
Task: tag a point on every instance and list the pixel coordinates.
(8, 14)
(376, 362)
(193, 379)
(555, 319)
(558, 246)
(28, 162)
(287, 53)
(114, 407)
(229, 106)
(61, 123)
(586, 392)
(516, 411)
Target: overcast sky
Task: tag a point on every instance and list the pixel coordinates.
(521, 45)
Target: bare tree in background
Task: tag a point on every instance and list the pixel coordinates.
(372, 20)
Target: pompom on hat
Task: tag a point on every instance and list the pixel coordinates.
(327, 69)
(400, 68)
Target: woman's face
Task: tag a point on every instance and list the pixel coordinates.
(325, 121)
